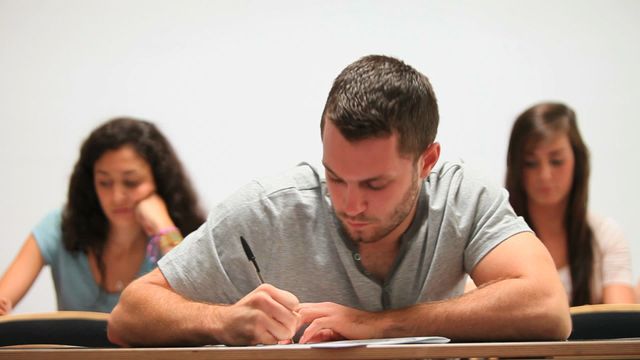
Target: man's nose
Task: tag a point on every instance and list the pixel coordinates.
(355, 202)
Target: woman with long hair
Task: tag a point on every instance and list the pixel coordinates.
(129, 202)
(548, 182)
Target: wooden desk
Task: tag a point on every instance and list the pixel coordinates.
(611, 349)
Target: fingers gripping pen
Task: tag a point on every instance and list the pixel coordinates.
(252, 258)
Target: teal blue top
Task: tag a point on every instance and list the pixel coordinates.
(76, 289)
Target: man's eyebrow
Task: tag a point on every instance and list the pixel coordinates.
(329, 169)
(377, 178)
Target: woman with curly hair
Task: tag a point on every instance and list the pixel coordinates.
(548, 183)
(129, 202)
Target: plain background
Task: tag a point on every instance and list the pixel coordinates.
(239, 86)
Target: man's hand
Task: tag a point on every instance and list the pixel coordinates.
(264, 316)
(329, 321)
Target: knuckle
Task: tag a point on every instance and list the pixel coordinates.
(260, 299)
(265, 287)
(253, 318)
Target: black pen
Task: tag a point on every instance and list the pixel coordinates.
(251, 257)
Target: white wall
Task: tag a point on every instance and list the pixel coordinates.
(238, 86)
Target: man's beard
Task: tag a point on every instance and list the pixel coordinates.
(397, 216)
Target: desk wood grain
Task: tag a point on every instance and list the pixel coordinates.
(610, 349)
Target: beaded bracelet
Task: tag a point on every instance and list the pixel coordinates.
(164, 238)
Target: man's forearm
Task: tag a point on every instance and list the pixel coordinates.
(509, 309)
(150, 314)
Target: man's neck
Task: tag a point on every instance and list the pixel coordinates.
(378, 257)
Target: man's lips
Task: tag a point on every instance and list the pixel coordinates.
(356, 223)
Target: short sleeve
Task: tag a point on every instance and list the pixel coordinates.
(205, 266)
(489, 217)
(48, 235)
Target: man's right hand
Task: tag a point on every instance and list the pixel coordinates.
(264, 316)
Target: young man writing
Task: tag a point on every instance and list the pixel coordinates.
(377, 246)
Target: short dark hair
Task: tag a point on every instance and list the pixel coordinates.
(541, 122)
(379, 95)
(84, 224)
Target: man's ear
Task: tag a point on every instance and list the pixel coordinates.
(429, 158)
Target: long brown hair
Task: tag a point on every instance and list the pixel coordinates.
(539, 122)
(84, 224)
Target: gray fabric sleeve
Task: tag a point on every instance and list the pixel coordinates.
(204, 267)
(490, 218)
(210, 265)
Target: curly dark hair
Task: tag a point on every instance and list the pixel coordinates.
(539, 122)
(378, 95)
(84, 224)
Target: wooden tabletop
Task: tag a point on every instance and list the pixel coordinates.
(610, 349)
